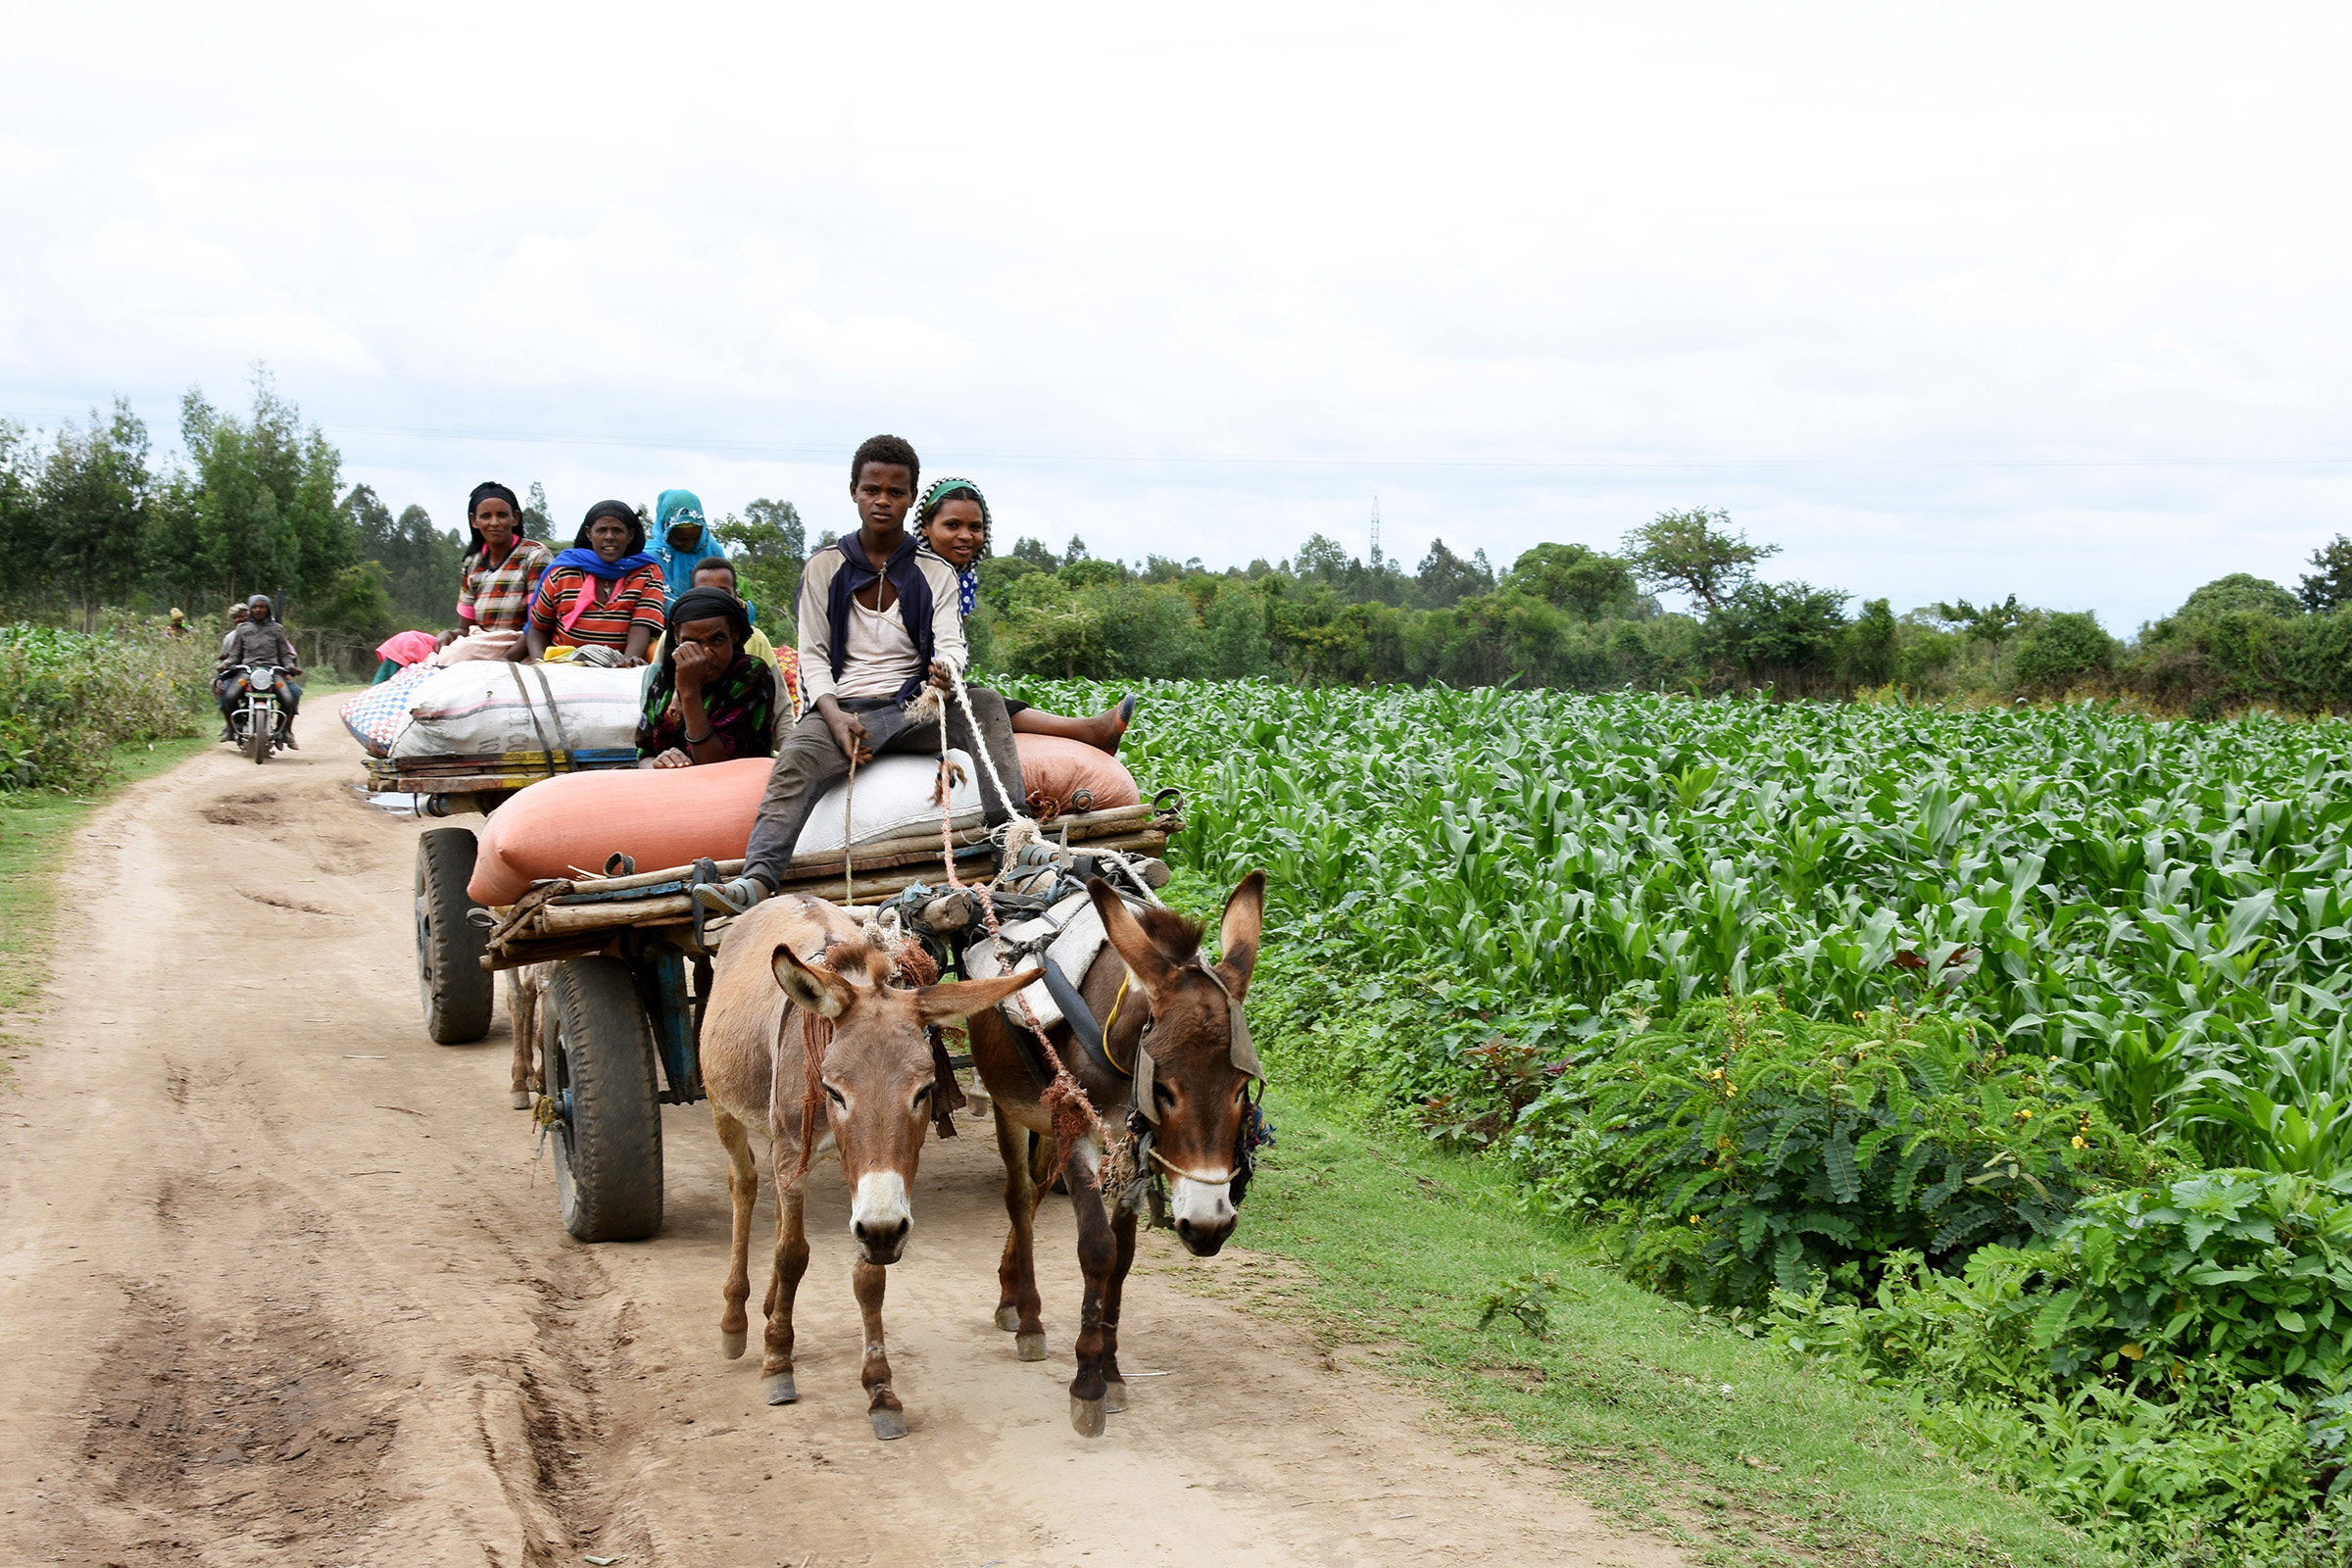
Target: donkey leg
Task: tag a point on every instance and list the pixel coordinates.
(1097, 1251)
(742, 1191)
(1020, 1308)
(522, 1012)
(1122, 1235)
(870, 1280)
(792, 1262)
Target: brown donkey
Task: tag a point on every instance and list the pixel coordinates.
(785, 961)
(1183, 1014)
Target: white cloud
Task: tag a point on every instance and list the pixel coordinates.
(1931, 298)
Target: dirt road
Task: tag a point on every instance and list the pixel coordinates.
(281, 1281)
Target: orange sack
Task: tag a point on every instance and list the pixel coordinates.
(1064, 777)
(666, 816)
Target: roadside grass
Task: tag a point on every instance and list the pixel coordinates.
(1402, 1251)
(35, 828)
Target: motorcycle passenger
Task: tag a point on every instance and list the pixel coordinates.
(259, 639)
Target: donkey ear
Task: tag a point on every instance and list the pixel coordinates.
(960, 999)
(827, 996)
(1146, 961)
(1245, 921)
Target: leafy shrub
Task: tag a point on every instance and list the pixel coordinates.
(2166, 1367)
(2067, 649)
(68, 699)
(1749, 1146)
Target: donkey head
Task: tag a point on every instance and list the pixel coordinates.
(1199, 1097)
(877, 1074)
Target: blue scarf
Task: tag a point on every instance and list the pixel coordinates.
(913, 605)
(967, 590)
(595, 566)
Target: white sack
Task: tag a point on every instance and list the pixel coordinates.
(487, 709)
(894, 798)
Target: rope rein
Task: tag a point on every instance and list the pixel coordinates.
(1074, 1115)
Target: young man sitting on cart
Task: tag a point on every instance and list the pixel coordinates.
(878, 621)
(711, 699)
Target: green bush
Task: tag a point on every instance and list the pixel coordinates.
(2067, 650)
(2168, 1368)
(1749, 1146)
(68, 699)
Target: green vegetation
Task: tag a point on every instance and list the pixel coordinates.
(1668, 1417)
(68, 701)
(1947, 1049)
(35, 828)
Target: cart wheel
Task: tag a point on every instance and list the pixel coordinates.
(606, 1116)
(457, 990)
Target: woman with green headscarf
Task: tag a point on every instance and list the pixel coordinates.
(682, 539)
(953, 521)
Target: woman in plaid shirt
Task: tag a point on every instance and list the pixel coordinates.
(502, 568)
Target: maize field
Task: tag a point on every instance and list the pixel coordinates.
(2167, 908)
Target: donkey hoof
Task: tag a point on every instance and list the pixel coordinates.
(776, 1389)
(1085, 1415)
(1009, 1318)
(519, 1100)
(889, 1424)
(1114, 1397)
(731, 1342)
(1030, 1346)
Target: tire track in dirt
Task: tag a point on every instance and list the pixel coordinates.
(281, 1282)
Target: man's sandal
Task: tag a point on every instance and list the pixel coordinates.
(731, 898)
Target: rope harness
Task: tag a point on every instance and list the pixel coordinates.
(1073, 1115)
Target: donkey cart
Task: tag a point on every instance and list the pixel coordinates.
(609, 975)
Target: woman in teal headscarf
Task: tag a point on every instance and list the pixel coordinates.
(682, 539)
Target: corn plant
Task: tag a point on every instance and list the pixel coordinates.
(2170, 901)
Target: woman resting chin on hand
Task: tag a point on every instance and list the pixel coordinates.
(709, 701)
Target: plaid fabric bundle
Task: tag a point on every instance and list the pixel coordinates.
(378, 714)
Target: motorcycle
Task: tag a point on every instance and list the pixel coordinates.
(258, 719)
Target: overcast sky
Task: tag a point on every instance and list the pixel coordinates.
(1945, 301)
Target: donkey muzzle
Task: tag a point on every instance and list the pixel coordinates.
(1205, 1214)
(880, 1218)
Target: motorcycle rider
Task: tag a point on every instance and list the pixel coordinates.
(259, 639)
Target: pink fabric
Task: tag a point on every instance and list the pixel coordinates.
(477, 645)
(407, 647)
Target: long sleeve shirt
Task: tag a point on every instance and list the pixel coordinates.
(869, 667)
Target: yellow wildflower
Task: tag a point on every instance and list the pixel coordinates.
(2080, 1142)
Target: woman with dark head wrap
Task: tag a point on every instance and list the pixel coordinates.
(604, 592)
(502, 568)
(954, 521)
(710, 700)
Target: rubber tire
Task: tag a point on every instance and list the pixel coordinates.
(608, 1151)
(259, 742)
(456, 991)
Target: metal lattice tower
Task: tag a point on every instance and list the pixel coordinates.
(1376, 533)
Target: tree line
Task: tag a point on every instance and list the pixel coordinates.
(90, 518)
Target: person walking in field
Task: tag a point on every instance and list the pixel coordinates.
(880, 619)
